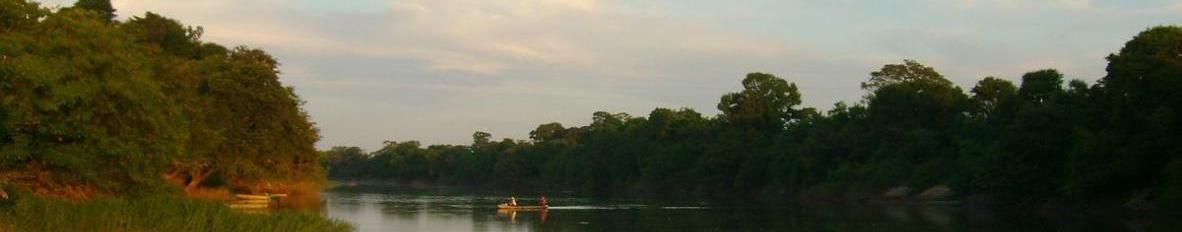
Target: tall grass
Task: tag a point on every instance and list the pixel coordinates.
(162, 213)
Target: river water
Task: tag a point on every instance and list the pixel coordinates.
(450, 209)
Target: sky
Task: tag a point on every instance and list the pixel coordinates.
(438, 70)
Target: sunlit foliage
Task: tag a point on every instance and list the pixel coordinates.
(88, 101)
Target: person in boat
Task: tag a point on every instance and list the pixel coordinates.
(512, 201)
(543, 202)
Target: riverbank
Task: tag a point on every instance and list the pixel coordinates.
(25, 212)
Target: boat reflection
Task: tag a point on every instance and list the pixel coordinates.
(512, 214)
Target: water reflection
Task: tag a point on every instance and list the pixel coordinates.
(405, 210)
(512, 214)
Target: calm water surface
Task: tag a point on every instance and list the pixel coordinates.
(443, 209)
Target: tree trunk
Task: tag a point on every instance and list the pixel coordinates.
(174, 175)
(196, 178)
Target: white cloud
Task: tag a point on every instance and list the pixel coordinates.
(471, 36)
(552, 59)
(1017, 4)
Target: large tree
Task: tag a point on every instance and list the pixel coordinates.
(547, 132)
(909, 71)
(262, 132)
(1041, 86)
(101, 7)
(82, 102)
(913, 95)
(766, 103)
(167, 35)
(914, 112)
(1137, 130)
(990, 94)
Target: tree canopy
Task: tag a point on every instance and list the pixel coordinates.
(766, 103)
(92, 105)
(102, 7)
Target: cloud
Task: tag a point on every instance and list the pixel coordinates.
(469, 36)
(1016, 4)
(1091, 7)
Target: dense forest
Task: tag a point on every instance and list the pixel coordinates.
(1043, 139)
(90, 105)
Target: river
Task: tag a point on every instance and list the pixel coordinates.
(453, 209)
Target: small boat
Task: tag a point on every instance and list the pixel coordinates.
(251, 201)
(504, 206)
(252, 197)
(248, 206)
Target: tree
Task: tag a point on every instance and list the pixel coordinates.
(913, 111)
(102, 7)
(765, 103)
(907, 72)
(345, 161)
(601, 120)
(1035, 141)
(105, 107)
(1136, 129)
(913, 95)
(480, 138)
(20, 16)
(990, 93)
(1041, 86)
(260, 130)
(167, 35)
(547, 132)
(97, 119)
(1146, 70)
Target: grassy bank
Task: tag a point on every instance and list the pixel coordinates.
(150, 214)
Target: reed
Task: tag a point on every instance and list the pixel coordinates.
(159, 213)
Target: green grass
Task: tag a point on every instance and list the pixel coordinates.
(162, 213)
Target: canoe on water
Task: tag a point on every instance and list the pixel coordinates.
(252, 197)
(259, 197)
(251, 201)
(248, 206)
(521, 207)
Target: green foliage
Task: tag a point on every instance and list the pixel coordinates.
(167, 35)
(992, 96)
(1041, 86)
(77, 106)
(152, 214)
(909, 71)
(1133, 129)
(101, 7)
(765, 104)
(259, 129)
(114, 105)
(20, 15)
(547, 132)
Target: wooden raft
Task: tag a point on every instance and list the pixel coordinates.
(251, 201)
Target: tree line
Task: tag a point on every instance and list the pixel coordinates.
(1031, 141)
(93, 105)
